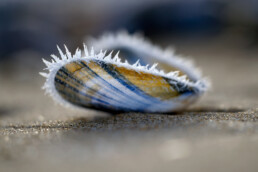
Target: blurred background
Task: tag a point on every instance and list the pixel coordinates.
(30, 30)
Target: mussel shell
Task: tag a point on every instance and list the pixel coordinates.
(104, 86)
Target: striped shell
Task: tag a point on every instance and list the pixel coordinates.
(103, 82)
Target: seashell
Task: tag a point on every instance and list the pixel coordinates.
(108, 82)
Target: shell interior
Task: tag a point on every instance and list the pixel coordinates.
(99, 85)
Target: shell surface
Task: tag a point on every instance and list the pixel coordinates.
(102, 82)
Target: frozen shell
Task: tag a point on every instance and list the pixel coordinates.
(103, 82)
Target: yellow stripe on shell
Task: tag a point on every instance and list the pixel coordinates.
(153, 85)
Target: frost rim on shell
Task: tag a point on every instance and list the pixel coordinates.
(139, 44)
